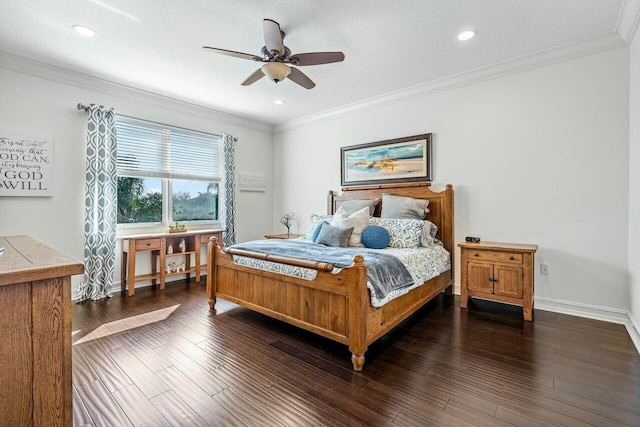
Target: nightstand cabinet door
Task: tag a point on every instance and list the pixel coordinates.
(507, 281)
(479, 277)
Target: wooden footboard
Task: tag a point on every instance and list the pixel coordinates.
(332, 305)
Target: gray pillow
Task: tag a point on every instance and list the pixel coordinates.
(403, 207)
(355, 205)
(334, 236)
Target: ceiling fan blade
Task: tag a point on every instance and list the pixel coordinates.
(317, 58)
(299, 77)
(273, 36)
(257, 75)
(233, 53)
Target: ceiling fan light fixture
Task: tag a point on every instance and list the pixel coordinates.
(84, 30)
(276, 71)
(466, 35)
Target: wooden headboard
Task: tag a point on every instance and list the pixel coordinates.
(440, 204)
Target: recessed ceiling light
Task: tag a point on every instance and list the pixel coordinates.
(278, 101)
(83, 30)
(466, 35)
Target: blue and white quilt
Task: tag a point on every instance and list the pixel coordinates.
(391, 272)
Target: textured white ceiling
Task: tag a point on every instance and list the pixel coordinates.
(155, 45)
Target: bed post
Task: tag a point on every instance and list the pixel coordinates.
(358, 306)
(448, 232)
(212, 246)
(331, 202)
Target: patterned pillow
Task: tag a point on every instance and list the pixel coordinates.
(403, 207)
(358, 221)
(403, 233)
(429, 231)
(375, 237)
(314, 222)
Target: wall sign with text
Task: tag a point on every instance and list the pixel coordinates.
(26, 165)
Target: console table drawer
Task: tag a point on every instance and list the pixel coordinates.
(145, 244)
(503, 257)
(204, 239)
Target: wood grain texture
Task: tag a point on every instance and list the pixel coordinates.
(16, 405)
(440, 366)
(27, 260)
(36, 333)
(49, 378)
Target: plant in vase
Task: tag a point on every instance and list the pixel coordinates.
(287, 220)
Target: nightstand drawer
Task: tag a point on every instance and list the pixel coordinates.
(492, 256)
(145, 244)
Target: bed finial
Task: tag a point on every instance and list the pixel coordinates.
(449, 186)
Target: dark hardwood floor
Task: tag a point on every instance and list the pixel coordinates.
(161, 358)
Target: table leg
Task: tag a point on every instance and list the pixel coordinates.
(131, 282)
(123, 272)
(154, 270)
(187, 266)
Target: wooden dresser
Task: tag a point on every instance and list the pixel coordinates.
(158, 247)
(35, 342)
(498, 271)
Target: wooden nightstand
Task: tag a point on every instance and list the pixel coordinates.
(498, 271)
(282, 236)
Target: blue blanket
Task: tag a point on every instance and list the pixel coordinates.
(385, 272)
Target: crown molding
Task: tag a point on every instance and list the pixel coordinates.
(628, 20)
(518, 65)
(57, 74)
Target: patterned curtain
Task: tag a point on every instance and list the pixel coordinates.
(228, 216)
(100, 206)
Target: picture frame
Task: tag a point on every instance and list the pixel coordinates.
(392, 161)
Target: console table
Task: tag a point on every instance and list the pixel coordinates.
(35, 342)
(157, 245)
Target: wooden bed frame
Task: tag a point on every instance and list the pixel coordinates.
(336, 306)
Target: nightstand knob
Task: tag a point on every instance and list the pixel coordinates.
(148, 244)
(476, 254)
(512, 258)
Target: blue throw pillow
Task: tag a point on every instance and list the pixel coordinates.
(314, 236)
(375, 237)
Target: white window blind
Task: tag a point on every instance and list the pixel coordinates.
(148, 149)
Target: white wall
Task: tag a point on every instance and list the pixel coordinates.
(534, 157)
(634, 182)
(41, 106)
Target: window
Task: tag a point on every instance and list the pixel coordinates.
(166, 174)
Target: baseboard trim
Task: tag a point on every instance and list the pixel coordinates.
(633, 327)
(606, 314)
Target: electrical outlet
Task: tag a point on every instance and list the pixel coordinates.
(544, 269)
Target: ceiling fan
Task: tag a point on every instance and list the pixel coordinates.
(278, 58)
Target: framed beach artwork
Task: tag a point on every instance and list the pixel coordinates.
(385, 162)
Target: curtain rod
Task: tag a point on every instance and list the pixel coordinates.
(81, 106)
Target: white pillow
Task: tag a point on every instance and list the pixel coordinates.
(359, 220)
